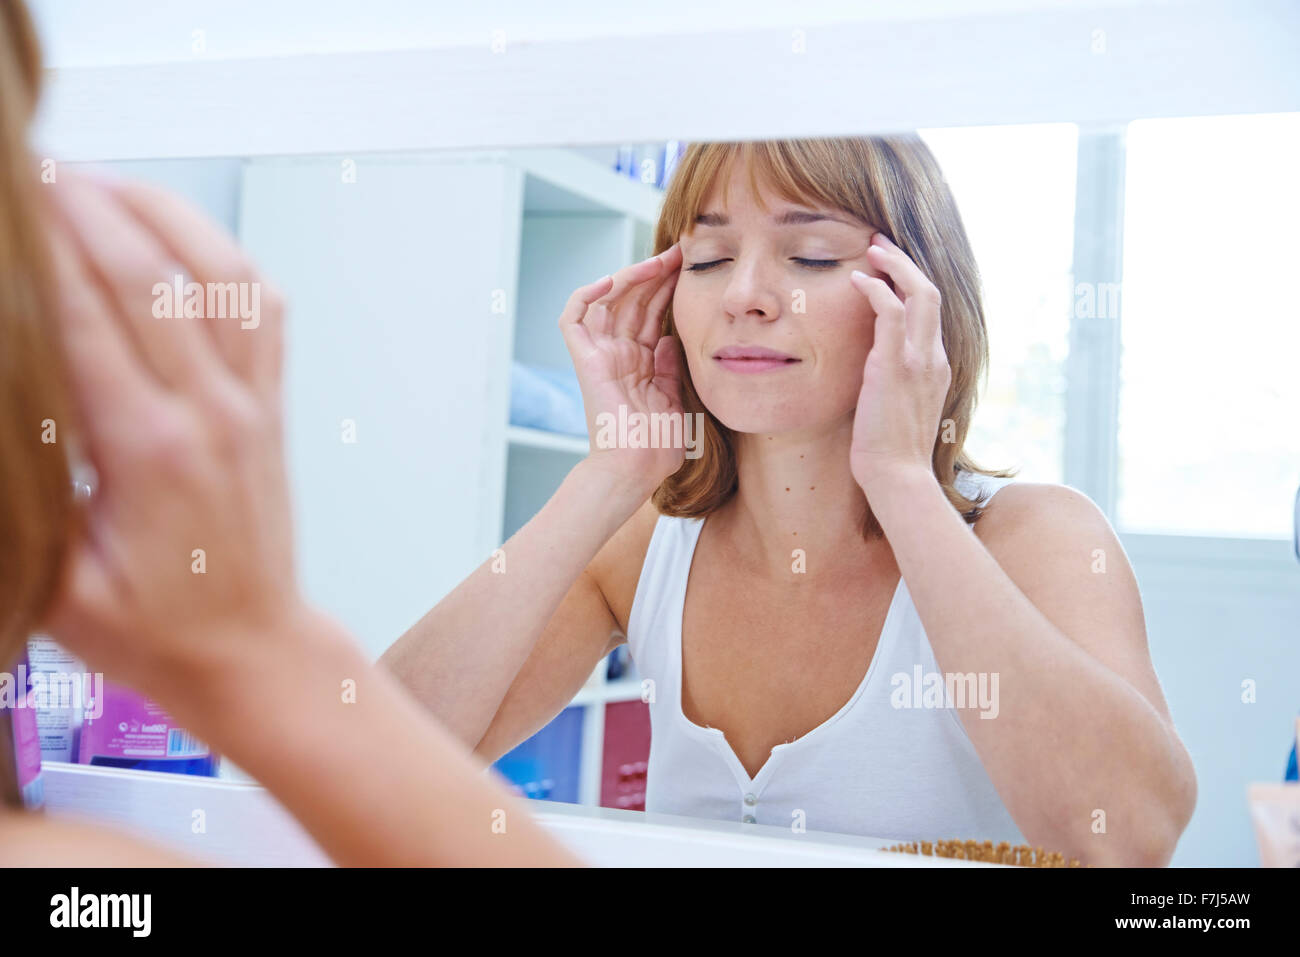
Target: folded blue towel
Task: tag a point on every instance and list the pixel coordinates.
(546, 399)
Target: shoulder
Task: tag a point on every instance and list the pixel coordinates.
(1042, 529)
(616, 569)
(1022, 511)
(1061, 551)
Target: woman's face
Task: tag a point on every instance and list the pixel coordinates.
(774, 333)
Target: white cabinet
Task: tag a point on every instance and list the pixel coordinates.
(395, 378)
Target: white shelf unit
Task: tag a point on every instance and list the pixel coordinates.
(580, 221)
(415, 280)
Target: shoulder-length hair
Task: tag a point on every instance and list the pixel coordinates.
(38, 518)
(892, 182)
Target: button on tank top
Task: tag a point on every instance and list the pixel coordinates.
(890, 763)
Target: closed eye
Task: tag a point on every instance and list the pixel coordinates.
(808, 263)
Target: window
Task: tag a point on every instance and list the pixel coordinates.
(1015, 187)
(1209, 441)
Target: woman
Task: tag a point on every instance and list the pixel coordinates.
(181, 423)
(794, 592)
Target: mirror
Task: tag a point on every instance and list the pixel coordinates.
(432, 408)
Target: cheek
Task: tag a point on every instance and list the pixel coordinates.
(846, 329)
(688, 307)
(689, 313)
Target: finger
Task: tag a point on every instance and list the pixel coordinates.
(578, 310)
(667, 263)
(652, 328)
(110, 384)
(137, 276)
(583, 297)
(248, 327)
(920, 296)
(668, 371)
(576, 335)
(660, 296)
(578, 339)
(629, 309)
(627, 321)
(630, 276)
(890, 333)
(599, 320)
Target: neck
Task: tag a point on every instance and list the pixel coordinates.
(795, 491)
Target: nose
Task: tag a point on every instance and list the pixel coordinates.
(751, 291)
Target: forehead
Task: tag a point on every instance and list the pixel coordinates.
(781, 216)
(741, 185)
(741, 193)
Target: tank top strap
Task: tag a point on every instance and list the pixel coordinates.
(980, 488)
(656, 613)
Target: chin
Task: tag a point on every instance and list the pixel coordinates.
(757, 414)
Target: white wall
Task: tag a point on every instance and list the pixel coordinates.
(390, 282)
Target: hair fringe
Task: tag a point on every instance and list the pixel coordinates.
(38, 517)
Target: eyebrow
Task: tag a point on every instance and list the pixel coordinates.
(793, 217)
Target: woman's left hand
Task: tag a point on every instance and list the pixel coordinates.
(905, 382)
(185, 569)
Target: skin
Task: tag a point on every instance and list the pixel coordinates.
(182, 421)
(769, 655)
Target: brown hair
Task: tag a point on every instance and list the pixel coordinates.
(37, 514)
(892, 182)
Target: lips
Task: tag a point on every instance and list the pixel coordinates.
(751, 352)
(753, 359)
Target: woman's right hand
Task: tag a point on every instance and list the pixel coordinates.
(626, 369)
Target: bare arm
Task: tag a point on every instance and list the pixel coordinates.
(551, 676)
(1045, 601)
(39, 840)
(370, 776)
(462, 657)
(413, 797)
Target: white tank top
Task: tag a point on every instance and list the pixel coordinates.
(900, 773)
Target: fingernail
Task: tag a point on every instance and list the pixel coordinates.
(859, 274)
